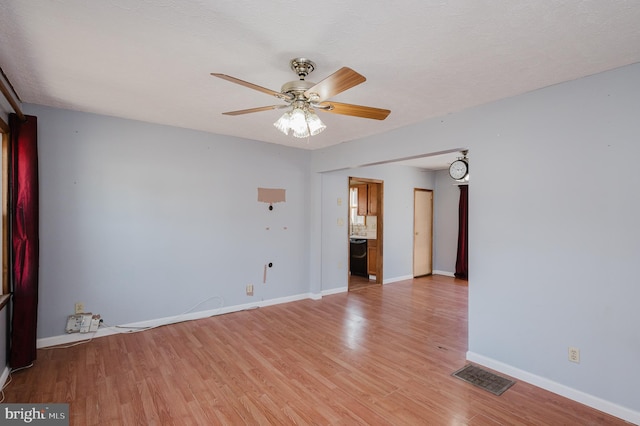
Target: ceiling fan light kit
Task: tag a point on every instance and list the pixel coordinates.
(301, 121)
(305, 97)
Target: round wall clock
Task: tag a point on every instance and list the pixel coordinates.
(459, 169)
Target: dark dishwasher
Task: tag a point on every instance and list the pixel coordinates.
(358, 254)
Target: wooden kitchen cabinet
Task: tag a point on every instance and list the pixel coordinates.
(372, 196)
(367, 200)
(372, 257)
(363, 196)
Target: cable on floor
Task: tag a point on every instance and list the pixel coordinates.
(10, 379)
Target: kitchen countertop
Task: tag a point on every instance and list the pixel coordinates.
(363, 237)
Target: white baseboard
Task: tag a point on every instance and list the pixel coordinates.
(65, 339)
(396, 279)
(558, 388)
(335, 291)
(445, 273)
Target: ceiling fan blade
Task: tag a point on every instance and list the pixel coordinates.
(354, 110)
(250, 110)
(341, 80)
(252, 86)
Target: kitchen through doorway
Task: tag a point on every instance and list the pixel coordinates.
(366, 223)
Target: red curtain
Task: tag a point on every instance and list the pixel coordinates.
(23, 209)
(462, 261)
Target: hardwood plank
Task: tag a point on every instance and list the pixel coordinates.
(380, 355)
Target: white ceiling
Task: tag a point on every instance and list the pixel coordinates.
(151, 60)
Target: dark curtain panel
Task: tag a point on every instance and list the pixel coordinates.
(462, 261)
(23, 211)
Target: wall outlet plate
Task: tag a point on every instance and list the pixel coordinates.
(574, 354)
(79, 308)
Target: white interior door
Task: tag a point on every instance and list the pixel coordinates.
(422, 232)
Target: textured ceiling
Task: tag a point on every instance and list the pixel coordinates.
(150, 60)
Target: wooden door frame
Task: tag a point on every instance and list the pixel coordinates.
(413, 266)
(379, 225)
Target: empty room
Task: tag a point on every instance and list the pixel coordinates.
(287, 213)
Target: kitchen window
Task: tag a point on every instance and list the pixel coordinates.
(354, 219)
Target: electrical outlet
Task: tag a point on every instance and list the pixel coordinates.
(249, 289)
(79, 308)
(574, 354)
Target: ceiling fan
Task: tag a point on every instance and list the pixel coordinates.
(304, 97)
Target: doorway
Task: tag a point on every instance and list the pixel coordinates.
(422, 232)
(365, 232)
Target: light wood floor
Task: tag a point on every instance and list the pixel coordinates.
(381, 355)
(357, 282)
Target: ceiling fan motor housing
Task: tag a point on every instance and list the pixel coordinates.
(297, 88)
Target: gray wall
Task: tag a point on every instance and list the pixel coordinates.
(553, 234)
(141, 221)
(446, 199)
